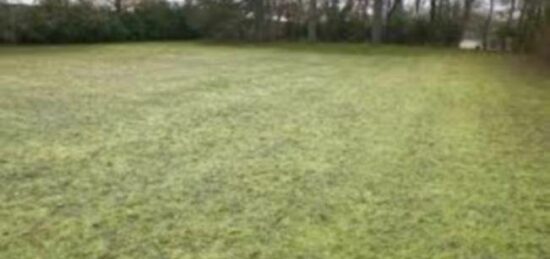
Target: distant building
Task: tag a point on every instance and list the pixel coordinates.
(471, 44)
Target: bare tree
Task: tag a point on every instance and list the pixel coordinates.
(378, 21)
(433, 10)
(466, 16)
(487, 25)
(259, 19)
(396, 10)
(417, 5)
(118, 6)
(365, 5)
(511, 13)
(312, 21)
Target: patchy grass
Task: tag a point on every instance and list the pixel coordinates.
(185, 150)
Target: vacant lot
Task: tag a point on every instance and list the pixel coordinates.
(185, 150)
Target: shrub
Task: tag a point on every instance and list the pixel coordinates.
(61, 21)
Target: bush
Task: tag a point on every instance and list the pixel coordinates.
(341, 29)
(421, 31)
(544, 44)
(61, 21)
(221, 20)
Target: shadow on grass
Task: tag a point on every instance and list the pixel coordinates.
(288, 47)
(46, 49)
(339, 48)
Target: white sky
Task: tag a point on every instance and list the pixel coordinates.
(31, 1)
(483, 3)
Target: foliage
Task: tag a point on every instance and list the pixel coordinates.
(340, 29)
(55, 21)
(421, 31)
(220, 19)
(442, 22)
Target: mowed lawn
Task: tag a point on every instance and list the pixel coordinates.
(191, 150)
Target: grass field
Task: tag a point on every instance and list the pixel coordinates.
(190, 150)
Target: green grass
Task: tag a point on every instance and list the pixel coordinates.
(189, 150)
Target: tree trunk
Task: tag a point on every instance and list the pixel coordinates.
(259, 17)
(377, 23)
(433, 10)
(417, 5)
(312, 21)
(504, 41)
(118, 6)
(444, 8)
(364, 10)
(511, 12)
(396, 9)
(466, 17)
(487, 26)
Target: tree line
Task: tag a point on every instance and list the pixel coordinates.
(497, 23)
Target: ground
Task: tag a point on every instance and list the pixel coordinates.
(194, 150)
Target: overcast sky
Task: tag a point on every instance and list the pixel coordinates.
(31, 1)
(483, 3)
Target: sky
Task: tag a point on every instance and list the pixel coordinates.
(31, 1)
(483, 3)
